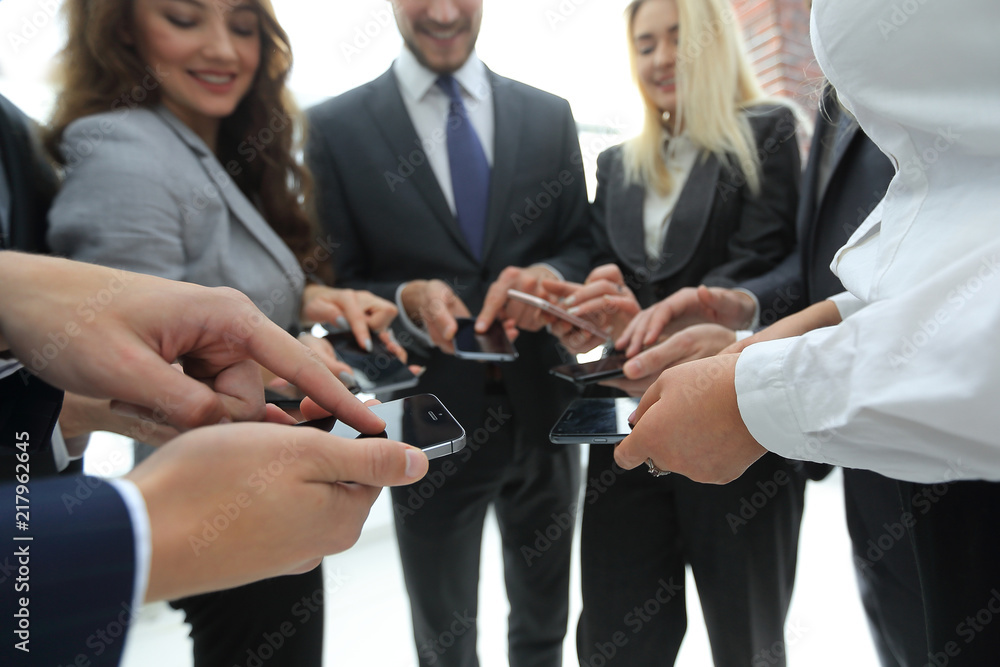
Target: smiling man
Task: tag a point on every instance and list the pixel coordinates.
(445, 185)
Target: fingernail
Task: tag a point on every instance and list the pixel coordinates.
(348, 380)
(631, 419)
(225, 420)
(423, 369)
(574, 310)
(414, 461)
(569, 301)
(341, 322)
(368, 345)
(633, 369)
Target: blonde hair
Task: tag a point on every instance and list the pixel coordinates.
(715, 83)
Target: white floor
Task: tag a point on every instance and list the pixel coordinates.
(368, 620)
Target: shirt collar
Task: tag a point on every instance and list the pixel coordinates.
(416, 81)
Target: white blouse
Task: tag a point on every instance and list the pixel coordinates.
(908, 384)
(679, 155)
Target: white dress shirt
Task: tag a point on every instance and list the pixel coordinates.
(679, 155)
(908, 384)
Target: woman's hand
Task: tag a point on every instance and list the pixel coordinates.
(360, 311)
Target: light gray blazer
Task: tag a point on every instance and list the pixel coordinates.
(144, 193)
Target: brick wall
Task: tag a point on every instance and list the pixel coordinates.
(777, 37)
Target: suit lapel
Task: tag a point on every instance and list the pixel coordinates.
(388, 112)
(625, 205)
(690, 217)
(506, 151)
(239, 206)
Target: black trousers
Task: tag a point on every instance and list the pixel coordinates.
(885, 568)
(638, 532)
(272, 622)
(533, 487)
(956, 540)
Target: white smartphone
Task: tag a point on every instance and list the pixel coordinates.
(421, 421)
(553, 309)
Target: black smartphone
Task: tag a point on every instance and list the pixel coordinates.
(281, 400)
(490, 346)
(611, 366)
(595, 421)
(377, 371)
(421, 421)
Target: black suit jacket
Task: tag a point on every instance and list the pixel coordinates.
(720, 232)
(33, 183)
(827, 216)
(380, 201)
(26, 402)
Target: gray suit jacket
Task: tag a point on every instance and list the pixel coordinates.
(380, 201)
(144, 193)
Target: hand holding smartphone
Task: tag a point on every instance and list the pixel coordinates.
(421, 421)
(552, 309)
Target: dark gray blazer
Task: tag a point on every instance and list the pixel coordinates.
(144, 193)
(828, 214)
(380, 201)
(720, 233)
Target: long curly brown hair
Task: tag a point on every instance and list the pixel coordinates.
(100, 72)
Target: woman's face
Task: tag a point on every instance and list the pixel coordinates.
(205, 53)
(655, 37)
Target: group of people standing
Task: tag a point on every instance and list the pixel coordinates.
(704, 224)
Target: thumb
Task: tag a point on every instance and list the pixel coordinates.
(370, 461)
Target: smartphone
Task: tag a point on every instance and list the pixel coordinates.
(594, 421)
(377, 371)
(490, 346)
(611, 366)
(421, 421)
(553, 309)
(281, 400)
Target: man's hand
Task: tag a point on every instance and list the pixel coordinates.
(684, 308)
(289, 496)
(696, 342)
(113, 334)
(513, 313)
(433, 304)
(689, 423)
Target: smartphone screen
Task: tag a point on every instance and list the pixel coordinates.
(421, 421)
(490, 346)
(376, 371)
(611, 366)
(594, 420)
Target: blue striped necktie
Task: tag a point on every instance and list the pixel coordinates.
(470, 171)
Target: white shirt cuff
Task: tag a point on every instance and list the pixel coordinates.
(847, 304)
(765, 399)
(419, 332)
(755, 322)
(137, 512)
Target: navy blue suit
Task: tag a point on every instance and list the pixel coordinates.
(67, 581)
